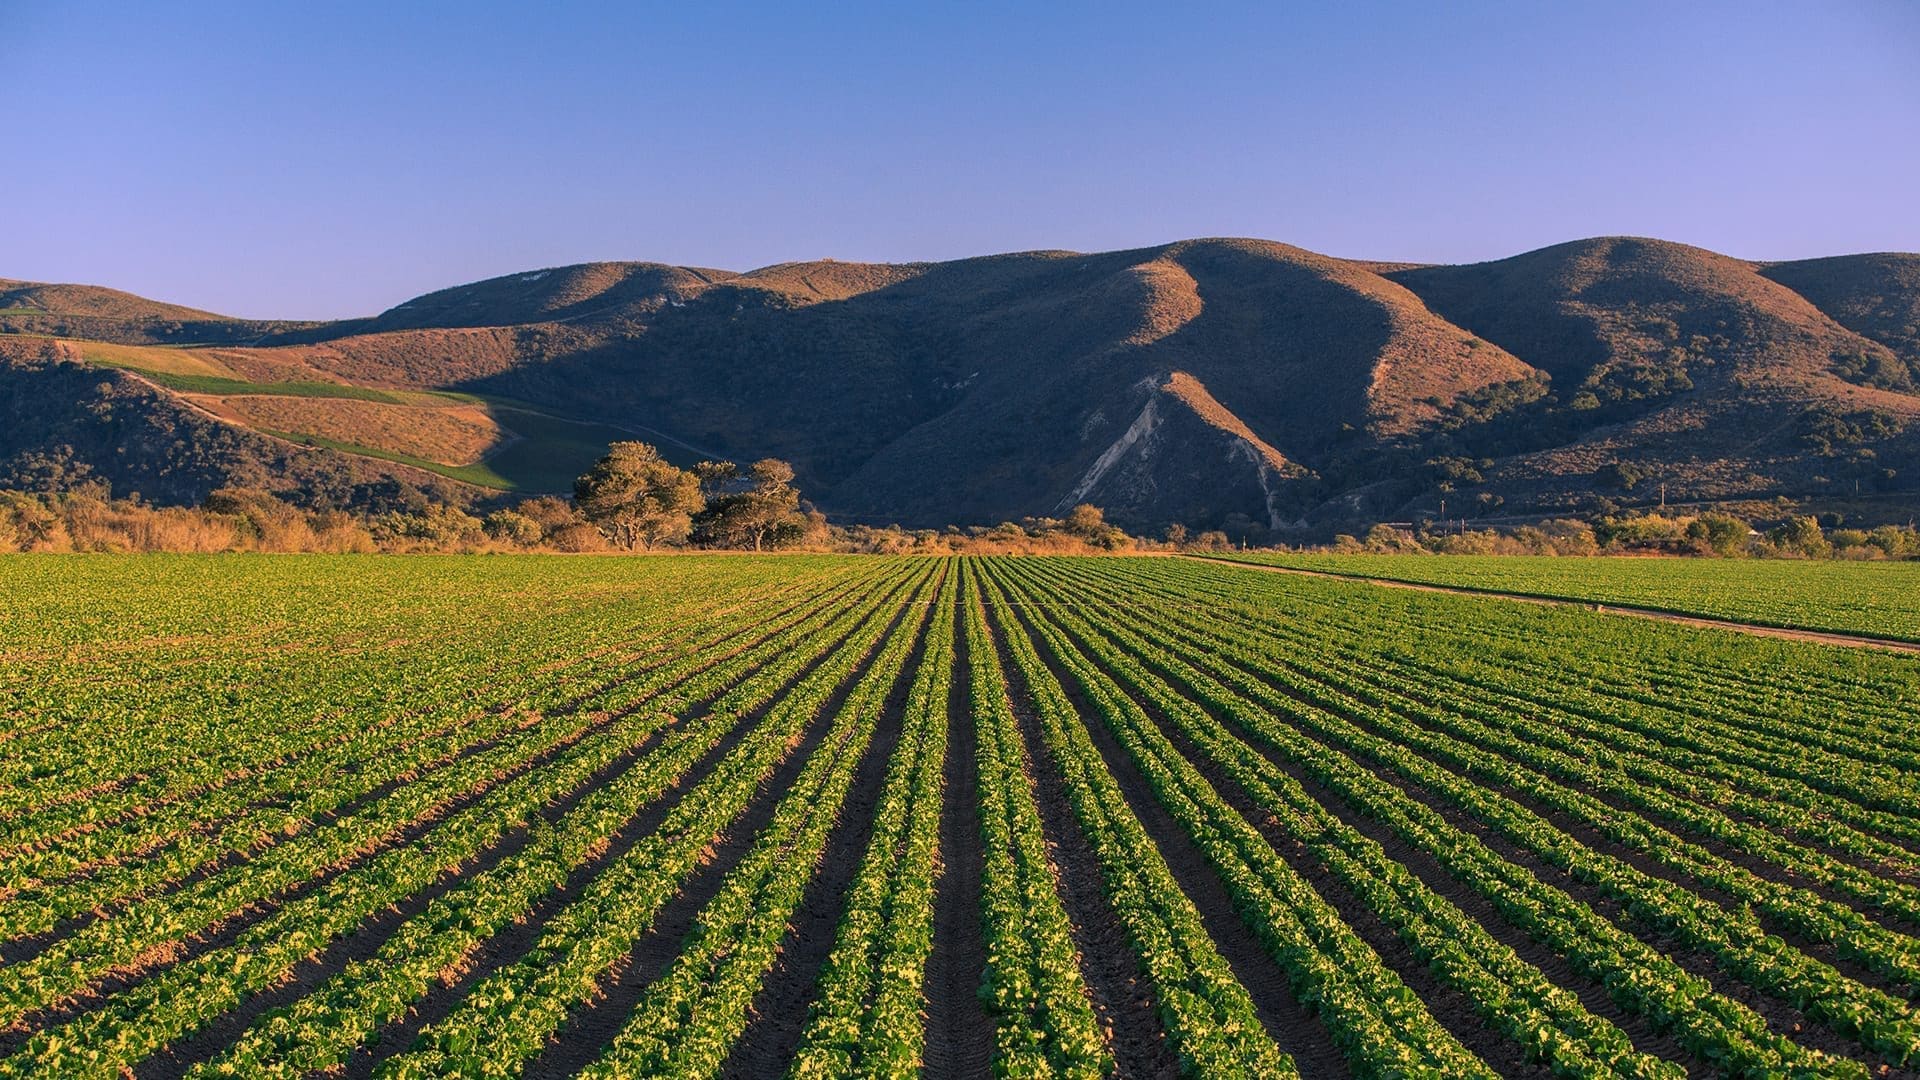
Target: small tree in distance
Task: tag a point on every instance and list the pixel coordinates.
(1089, 523)
(638, 498)
(765, 513)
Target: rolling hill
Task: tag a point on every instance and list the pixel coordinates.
(1236, 383)
(89, 311)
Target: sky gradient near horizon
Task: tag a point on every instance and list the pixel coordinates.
(319, 161)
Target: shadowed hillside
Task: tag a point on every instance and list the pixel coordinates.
(1214, 382)
(1875, 296)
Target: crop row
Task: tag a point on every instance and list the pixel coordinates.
(284, 753)
(1550, 1023)
(1380, 1025)
(1786, 696)
(1704, 759)
(1044, 1025)
(1540, 762)
(131, 737)
(866, 1017)
(1861, 598)
(318, 1030)
(1464, 837)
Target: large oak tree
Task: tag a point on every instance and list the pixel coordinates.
(638, 498)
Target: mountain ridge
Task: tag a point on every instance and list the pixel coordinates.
(1216, 382)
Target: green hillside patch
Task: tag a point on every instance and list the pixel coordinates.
(545, 455)
(550, 451)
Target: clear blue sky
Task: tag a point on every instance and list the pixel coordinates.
(314, 160)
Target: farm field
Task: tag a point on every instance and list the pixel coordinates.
(823, 816)
(1875, 599)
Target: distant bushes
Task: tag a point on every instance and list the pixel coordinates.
(1708, 534)
(85, 519)
(633, 499)
(237, 519)
(1557, 537)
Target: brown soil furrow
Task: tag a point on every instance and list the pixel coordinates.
(959, 1031)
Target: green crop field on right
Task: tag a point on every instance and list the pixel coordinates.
(1874, 599)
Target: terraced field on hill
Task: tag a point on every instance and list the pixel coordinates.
(861, 816)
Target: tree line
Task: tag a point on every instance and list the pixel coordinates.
(633, 499)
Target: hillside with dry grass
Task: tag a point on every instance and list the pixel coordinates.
(1681, 372)
(92, 312)
(1220, 383)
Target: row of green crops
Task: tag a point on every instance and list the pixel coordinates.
(1033, 988)
(866, 1019)
(1208, 1014)
(364, 861)
(320, 1029)
(1509, 992)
